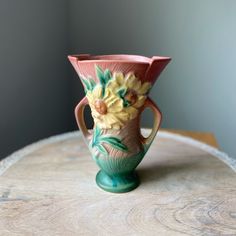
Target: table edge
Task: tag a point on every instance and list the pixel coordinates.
(10, 160)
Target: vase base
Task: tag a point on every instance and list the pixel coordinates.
(117, 184)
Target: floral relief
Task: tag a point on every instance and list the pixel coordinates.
(130, 89)
(116, 99)
(99, 140)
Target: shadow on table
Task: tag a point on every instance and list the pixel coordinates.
(160, 172)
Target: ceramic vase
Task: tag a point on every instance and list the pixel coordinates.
(116, 90)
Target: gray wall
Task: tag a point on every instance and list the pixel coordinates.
(34, 82)
(38, 87)
(197, 91)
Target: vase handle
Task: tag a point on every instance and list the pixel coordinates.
(157, 121)
(79, 115)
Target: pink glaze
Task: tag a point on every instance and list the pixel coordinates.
(145, 68)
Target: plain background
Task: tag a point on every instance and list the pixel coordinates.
(39, 89)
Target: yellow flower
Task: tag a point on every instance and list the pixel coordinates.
(131, 90)
(107, 111)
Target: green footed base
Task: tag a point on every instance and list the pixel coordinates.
(117, 184)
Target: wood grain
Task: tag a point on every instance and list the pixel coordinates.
(52, 191)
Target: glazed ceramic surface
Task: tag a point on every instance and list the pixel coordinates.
(116, 89)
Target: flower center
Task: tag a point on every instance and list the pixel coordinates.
(100, 107)
(131, 96)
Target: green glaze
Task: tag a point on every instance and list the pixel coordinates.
(104, 77)
(99, 139)
(117, 183)
(89, 84)
(122, 92)
(117, 173)
(117, 93)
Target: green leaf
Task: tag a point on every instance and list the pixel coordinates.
(102, 149)
(107, 75)
(89, 84)
(96, 135)
(103, 77)
(98, 139)
(126, 103)
(93, 141)
(92, 84)
(98, 131)
(122, 92)
(114, 142)
(86, 85)
(100, 75)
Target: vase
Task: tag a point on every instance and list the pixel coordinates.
(116, 90)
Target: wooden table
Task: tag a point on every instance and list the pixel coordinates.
(49, 189)
(205, 137)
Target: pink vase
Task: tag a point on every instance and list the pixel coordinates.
(117, 88)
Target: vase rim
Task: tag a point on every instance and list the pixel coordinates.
(120, 58)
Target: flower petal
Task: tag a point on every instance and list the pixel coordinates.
(119, 78)
(104, 125)
(139, 102)
(137, 86)
(97, 92)
(110, 119)
(113, 85)
(95, 114)
(116, 126)
(145, 88)
(109, 96)
(90, 97)
(130, 80)
(115, 105)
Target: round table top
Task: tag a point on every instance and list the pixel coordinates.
(49, 188)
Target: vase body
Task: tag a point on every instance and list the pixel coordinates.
(116, 89)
